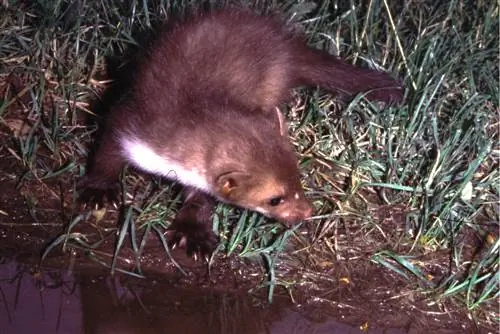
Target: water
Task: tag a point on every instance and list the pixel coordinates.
(34, 300)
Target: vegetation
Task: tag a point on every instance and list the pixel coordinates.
(413, 189)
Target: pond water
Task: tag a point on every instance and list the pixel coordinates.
(47, 300)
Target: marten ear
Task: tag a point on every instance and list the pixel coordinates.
(279, 121)
(229, 183)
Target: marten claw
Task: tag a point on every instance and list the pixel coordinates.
(97, 198)
(197, 237)
(97, 195)
(197, 241)
(192, 225)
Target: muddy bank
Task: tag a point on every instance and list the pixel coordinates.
(70, 293)
(48, 300)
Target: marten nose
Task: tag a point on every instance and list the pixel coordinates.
(308, 212)
(303, 210)
(297, 215)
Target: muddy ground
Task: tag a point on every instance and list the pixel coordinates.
(70, 293)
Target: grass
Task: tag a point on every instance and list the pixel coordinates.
(415, 187)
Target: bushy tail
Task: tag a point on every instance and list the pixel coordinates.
(317, 68)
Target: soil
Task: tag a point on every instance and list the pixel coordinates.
(69, 292)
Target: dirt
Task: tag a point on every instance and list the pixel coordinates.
(62, 299)
(90, 301)
(70, 293)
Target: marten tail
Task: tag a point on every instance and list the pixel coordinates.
(317, 68)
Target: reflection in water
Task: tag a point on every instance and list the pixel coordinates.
(54, 301)
(31, 303)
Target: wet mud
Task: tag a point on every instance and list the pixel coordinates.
(48, 300)
(69, 292)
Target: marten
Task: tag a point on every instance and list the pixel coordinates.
(203, 111)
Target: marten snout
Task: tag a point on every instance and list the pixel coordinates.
(293, 213)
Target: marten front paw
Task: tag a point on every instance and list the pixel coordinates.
(96, 193)
(193, 230)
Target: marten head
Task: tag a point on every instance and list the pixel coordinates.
(268, 194)
(260, 171)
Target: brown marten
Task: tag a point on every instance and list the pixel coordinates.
(202, 111)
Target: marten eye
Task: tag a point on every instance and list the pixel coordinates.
(275, 201)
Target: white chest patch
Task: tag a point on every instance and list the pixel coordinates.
(145, 158)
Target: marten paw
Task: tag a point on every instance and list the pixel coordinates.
(194, 234)
(97, 193)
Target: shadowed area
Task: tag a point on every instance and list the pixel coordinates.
(61, 301)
